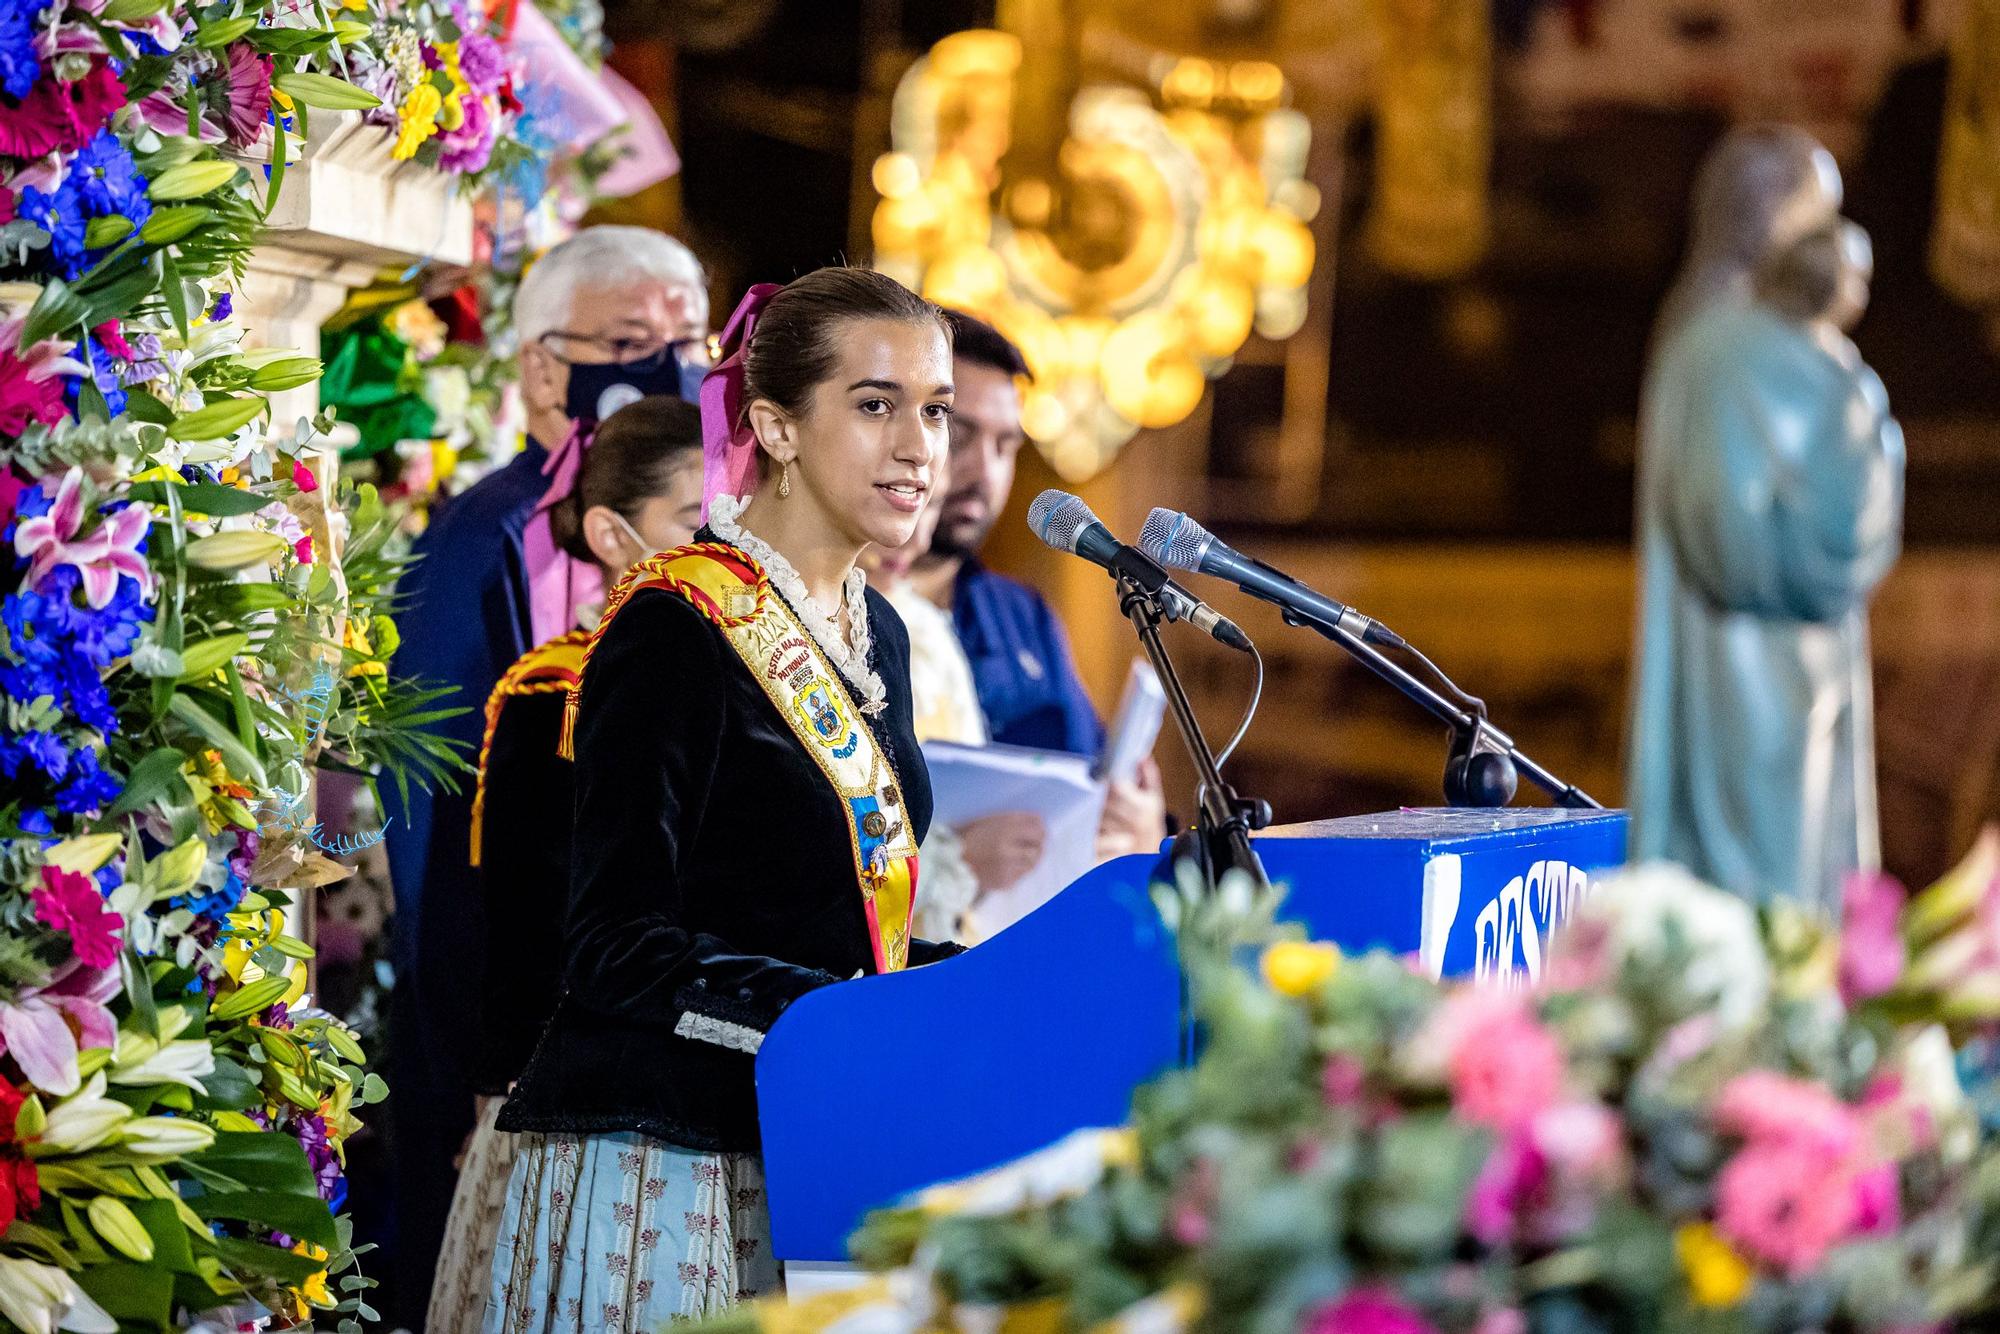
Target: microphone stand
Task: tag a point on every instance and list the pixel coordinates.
(1473, 738)
(1225, 819)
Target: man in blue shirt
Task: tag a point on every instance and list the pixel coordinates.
(1021, 664)
(609, 315)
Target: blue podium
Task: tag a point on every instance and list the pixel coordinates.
(879, 1087)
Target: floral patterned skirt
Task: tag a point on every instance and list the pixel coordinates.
(622, 1233)
(465, 1266)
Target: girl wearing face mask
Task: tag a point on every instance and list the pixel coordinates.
(637, 491)
(749, 801)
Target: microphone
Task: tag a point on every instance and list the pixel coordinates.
(1066, 523)
(1172, 538)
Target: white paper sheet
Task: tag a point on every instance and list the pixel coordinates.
(971, 782)
(1136, 726)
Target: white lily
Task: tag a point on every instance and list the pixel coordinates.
(166, 1136)
(83, 1120)
(41, 1299)
(173, 1063)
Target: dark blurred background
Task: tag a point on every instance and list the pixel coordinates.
(1454, 456)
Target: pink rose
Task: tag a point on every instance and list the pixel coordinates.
(1503, 1066)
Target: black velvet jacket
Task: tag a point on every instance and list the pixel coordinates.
(712, 876)
(524, 879)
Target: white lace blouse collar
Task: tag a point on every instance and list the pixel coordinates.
(849, 652)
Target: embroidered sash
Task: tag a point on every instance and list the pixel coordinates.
(731, 590)
(544, 669)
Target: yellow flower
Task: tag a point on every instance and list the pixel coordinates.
(419, 114)
(1717, 1276)
(314, 1290)
(444, 462)
(1296, 968)
(282, 100)
(418, 325)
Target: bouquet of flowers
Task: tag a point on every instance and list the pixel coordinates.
(445, 87)
(1684, 1128)
(193, 617)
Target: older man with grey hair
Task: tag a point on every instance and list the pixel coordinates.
(610, 315)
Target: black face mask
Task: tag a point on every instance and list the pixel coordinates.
(598, 390)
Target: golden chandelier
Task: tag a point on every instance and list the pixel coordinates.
(1128, 241)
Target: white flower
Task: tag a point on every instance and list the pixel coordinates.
(42, 1299)
(1726, 960)
(448, 390)
(174, 1062)
(166, 1136)
(83, 1120)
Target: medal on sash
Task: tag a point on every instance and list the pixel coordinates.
(730, 589)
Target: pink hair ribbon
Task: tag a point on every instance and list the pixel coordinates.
(728, 447)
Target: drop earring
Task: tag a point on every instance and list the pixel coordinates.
(784, 479)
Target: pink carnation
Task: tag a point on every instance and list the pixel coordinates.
(1763, 1106)
(1366, 1311)
(1504, 1067)
(1515, 1176)
(60, 116)
(302, 477)
(1343, 1080)
(469, 147)
(112, 339)
(302, 550)
(31, 387)
(70, 903)
(1872, 954)
(1777, 1200)
(249, 92)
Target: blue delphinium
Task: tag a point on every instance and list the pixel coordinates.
(103, 182)
(20, 66)
(104, 370)
(89, 788)
(61, 215)
(58, 646)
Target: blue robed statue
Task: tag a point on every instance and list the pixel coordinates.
(1770, 507)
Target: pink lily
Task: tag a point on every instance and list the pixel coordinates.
(45, 174)
(36, 1028)
(160, 112)
(49, 540)
(160, 26)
